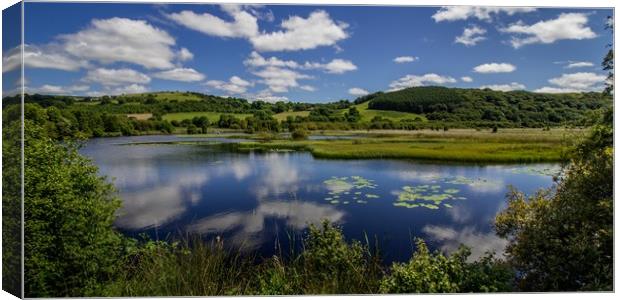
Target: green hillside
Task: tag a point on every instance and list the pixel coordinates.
(519, 108)
(368, 114)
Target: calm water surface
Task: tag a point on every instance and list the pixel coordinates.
(257, 201)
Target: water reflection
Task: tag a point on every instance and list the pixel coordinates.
(251, 200)
(245, 227)
(451, 239)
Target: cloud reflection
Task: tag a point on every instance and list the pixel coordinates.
(246, 227)
(479, 242)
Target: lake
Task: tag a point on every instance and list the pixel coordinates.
(258, 201)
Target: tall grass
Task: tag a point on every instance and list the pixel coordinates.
(326, 264)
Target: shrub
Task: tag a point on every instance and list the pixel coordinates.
(70, 244)
(428, 272)
(299, 134)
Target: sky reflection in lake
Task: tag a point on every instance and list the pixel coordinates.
(255, 201)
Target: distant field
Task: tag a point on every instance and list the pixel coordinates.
(178, 96)
(369, 114)
(212, 116)
(282, 116)
(140, 116)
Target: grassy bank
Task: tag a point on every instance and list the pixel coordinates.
(512, 146)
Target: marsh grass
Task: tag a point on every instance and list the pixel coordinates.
(324, 264)
(434, 149)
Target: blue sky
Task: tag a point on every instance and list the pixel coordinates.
(306, 53)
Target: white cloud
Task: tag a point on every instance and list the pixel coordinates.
(267, 96)
(122, 40)
(335, 66)
(339, 66)
(471, 36)
(556, 90)
(36, 57)
(302, 33)
(405, 59)
(567, 26)
(57, 89)
(358, 91)
(455, 13)
(578, 64)
(467, 79)
(184, 54)
(279, 80)
(180, 74)
(243, 25)
(504, 87)
(495, 68)
(308, 88)
(297, 33)
(129, 89)
(574, 83)
(256, 60)
(235, 85)
(417, 80)
(116, 77)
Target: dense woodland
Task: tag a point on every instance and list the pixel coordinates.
(517, 108)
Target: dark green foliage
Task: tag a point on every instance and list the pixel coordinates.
(353, 115)
(71, 247)
(11, 201)
(61, 124)
(562, 239)
(428, 272)
(515, 109)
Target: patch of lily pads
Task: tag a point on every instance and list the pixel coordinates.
(426, 196)
(353, 188)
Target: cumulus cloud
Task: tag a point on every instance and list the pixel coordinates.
(405, 59)
(567, 26)
(235, 85)
(38, 57)
(267, 96)
(279, 80)
(335, 66)
(184, 54)
(358, 91)
(471, 36)
(129, 89)
(256, 60)
(122, 40)
(513, 86)
(467, 79)
(242, 25)
(302, 33)
(57, 89)
(338, 66)
(574, 83)
(116, 77)
(180, 74)
(297, 33)
(455, 13)
(420, 80)
(495, 68)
